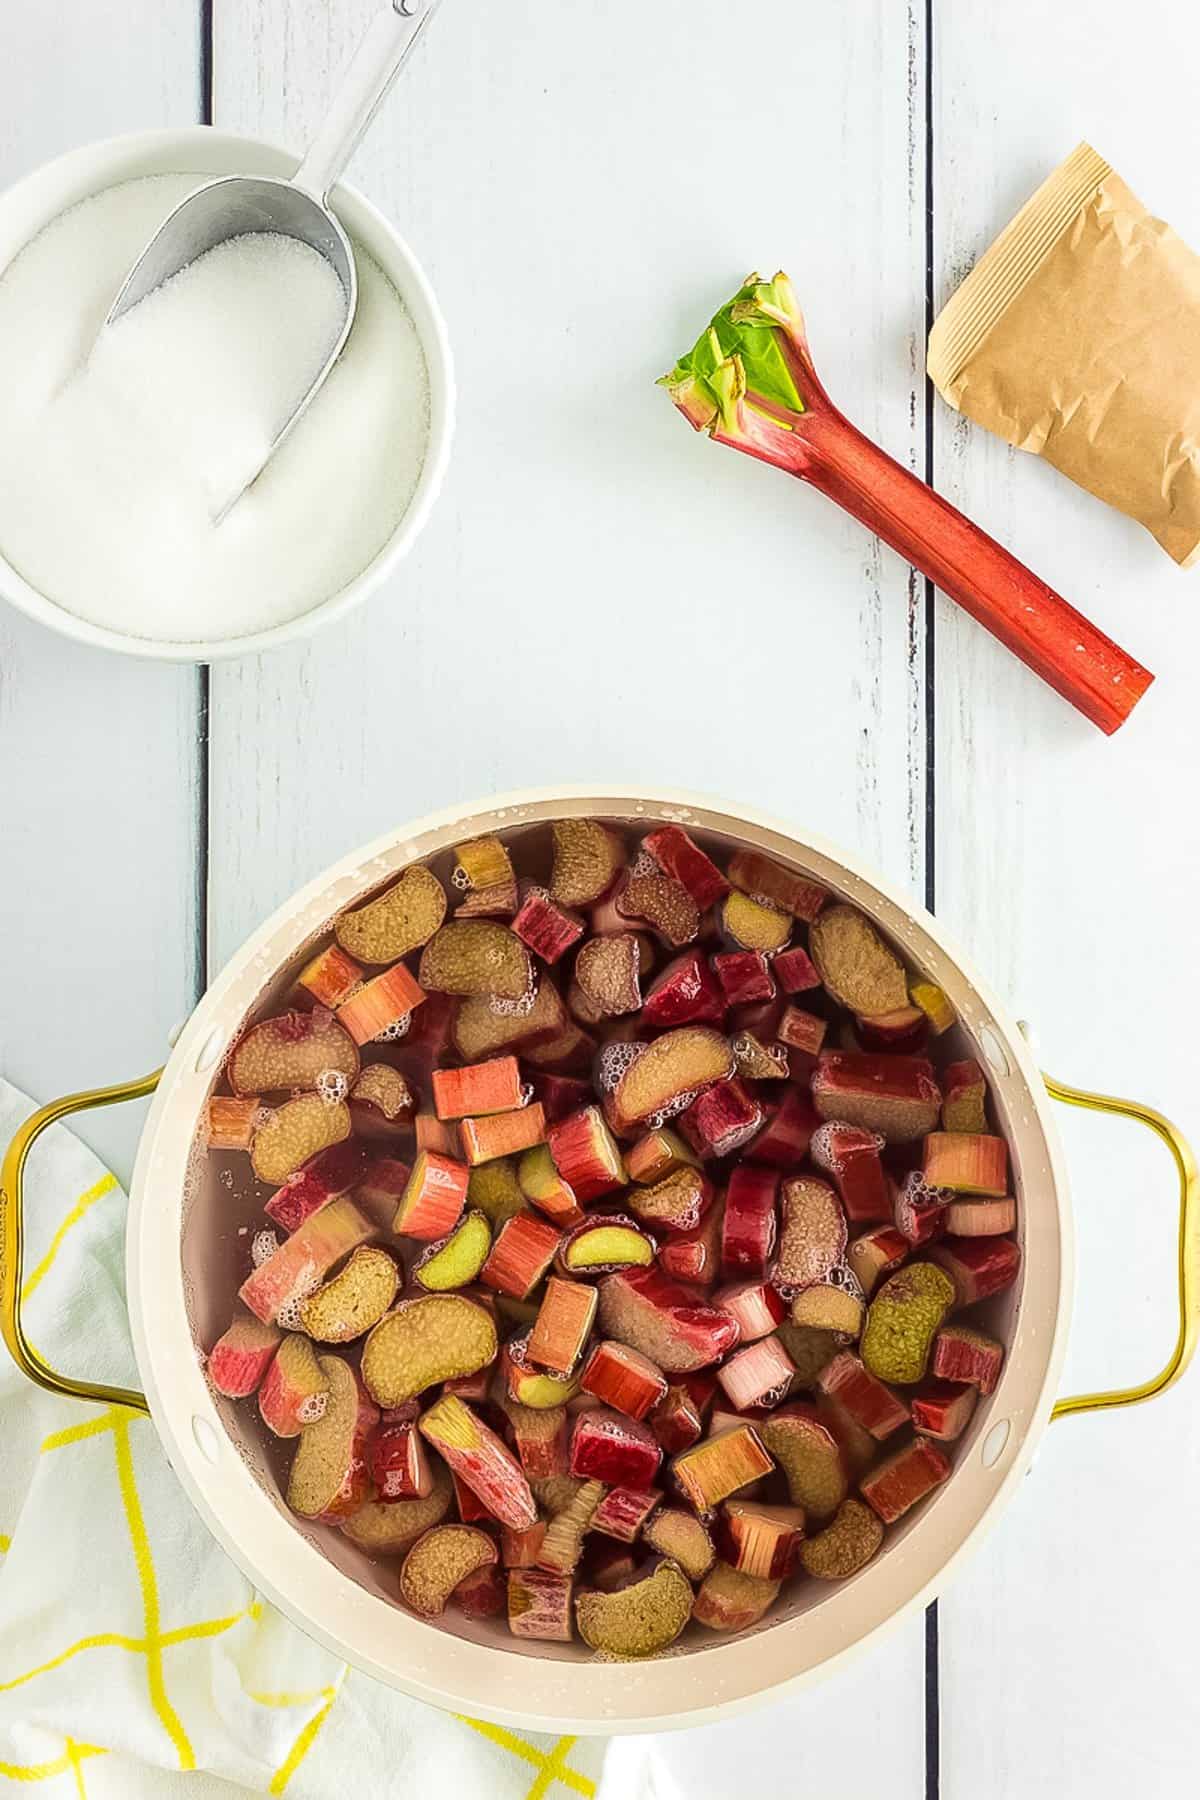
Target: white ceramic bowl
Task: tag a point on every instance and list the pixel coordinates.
(29, 206)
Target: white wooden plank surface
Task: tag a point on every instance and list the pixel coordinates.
(1070, 866)
(98, 756)
(583, 194)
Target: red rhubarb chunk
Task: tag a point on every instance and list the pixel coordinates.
(904, 1478)
(749, 1225)
(784, 1140)
(686, 993)
(330, 1173)
(851, 1156)
(744, 975)
(664, 1320)
(869, 1402)
(963, 1355)
(942, 1410)
(623, 1511)
(795, 971)
(623, 1378)
(677, 855)
(978, 1266)
(544, 927)
(722, 1119)
(609, 1446)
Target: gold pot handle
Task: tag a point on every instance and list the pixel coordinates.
(12, 1244)
(1189, 1249)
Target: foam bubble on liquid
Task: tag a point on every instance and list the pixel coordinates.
(265, 1244)
(332, 1086)
(391, 1034)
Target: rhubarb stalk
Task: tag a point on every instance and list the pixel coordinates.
(750, 383)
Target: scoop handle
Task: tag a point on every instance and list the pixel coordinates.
(374, 66)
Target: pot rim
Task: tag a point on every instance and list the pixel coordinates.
(512, 1687)
(53, 187)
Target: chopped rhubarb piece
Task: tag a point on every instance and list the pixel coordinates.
(978, 1266)
(903, 1478)
(483, 1595)
(677, 1203)
(868, 1400)
(695, 1255)
(436, 1135)
(905, 1030)
(292, 1052)
(519, 1549)
(522, 1252)
(638, 1620)
(495, 1191)
(728, 1600)
(851, 1156)
(433, 1338)
(934, 1004)
(473, 1388)
(397, 921)
(476, 956)
(623, 1512)
(678, 855)
(795, 971)
(760, 1540)
(903, 1320)
(543, 1187)
(756, 1061)
(855, 964)
(478, 1457)
(757, 1307)
(980, 1218)
(812, 1234)
(432, 1203)
(748, 1228)
(502, 1134)
(324, 1177)
(380, 1004)
(232, 1121)
(487, 1087)
(544, 927)
(710, 1471)
(586, 1154)
(560, 1095)
(897, 1096)
(801, 1030)
(942, 1410)
(835, 1304)
(877, 1253)
(540, 1434)
(328, 1479)
(662, 903)
(607, 971)
(919, 1210)
(744, 976)
(750, 924)
(676, 1421)
(354, 1300)
(677, 1063)
(386, 1527)
(784, 1140)
(530, 1386)
(563, 1325)
(567, 1051)
(562, 1545)
(685, 993)
(665, 1321)
(482, 863)
(331, 976)
(623, 1378)
(587, 858)
(766, 880)
(292, 1133)
(846, 1545)
(470, 1508)
(810, 1457)
(479, 1031)
(609, 1446)
(242, 1355)
(499, 901)
(963, 1355)
(302, 1261)
(455, 1260)
(382, 1102)
(810, 1348)
(399, 1463)
(602, 1245)
(860, 1450)
(539, 1605)
(429, 1033)
(721, 1119)
(439, 1562)
(684, 1538)
(759, 1375)
(964, 1087)
(969, 1162)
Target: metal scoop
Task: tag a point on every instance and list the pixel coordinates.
(236, 205)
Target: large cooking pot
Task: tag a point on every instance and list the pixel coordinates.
(180, 1278)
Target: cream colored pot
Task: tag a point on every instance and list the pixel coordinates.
(179, 1291)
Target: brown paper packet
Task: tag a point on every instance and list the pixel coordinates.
(1077, 336)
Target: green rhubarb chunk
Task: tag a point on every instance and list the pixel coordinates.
(610, 1246)
(902, 1321)
(494, 1191)
(542, 1391)
(744, 351)
(457, 1260)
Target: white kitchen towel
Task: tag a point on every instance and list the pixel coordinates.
(131, 1648)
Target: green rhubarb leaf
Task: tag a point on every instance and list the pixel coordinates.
(743, 352)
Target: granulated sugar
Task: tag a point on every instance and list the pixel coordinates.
(112, 465)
